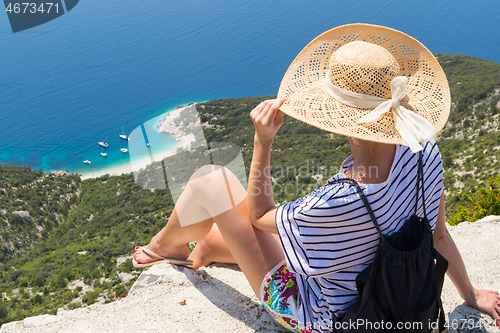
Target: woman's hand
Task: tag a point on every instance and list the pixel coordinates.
(487, 301)
(481, 299)
(267, 119)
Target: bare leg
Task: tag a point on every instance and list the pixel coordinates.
(255, 251)
(211, 248)
(172, 240)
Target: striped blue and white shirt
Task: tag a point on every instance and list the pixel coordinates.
(328, 236)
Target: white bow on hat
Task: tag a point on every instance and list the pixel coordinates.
(413, 128)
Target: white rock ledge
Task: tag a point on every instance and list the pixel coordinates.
(219, 299)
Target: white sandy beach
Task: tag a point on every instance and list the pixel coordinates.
(166, 126)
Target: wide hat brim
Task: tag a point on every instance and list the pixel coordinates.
(428, 93)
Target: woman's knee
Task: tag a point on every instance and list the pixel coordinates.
(215, 178)
(204, 171)
(216, 188)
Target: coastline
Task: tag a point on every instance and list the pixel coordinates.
(164, 126)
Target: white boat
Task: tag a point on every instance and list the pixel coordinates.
(87, 162)
(123, 136)
(124, 150)
(104, 154)
(148, 144)
(103, 144)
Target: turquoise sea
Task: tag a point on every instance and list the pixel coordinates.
(106, 67)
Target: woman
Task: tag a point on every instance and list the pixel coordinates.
(388, 94)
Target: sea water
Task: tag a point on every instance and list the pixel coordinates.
(106, 67)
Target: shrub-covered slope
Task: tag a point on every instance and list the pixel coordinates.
(63, 240)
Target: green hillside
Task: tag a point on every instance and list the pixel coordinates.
(470, 142)
(64, 242)
(32, 204)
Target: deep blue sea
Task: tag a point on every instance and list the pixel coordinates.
(109, 66)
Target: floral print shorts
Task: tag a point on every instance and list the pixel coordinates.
(280, 297)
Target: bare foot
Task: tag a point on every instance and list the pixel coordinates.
(156, 247)
(211, 248)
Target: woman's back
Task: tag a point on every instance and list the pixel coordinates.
(328, 236)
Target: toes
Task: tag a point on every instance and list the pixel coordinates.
(138, 254)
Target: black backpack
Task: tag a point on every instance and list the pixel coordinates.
(401, 290)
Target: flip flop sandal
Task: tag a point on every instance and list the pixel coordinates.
(157, 259)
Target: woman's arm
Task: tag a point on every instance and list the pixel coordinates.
(484, 300)
(267, 120)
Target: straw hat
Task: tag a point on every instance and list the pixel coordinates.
(368, 82)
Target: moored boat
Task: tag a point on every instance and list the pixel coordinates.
(123, 135)
(104, 154)
(87, 162)
(124, 150)
(103, 144)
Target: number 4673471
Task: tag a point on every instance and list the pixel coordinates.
(32, 8)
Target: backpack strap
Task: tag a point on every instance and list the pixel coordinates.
(417, 186)
(440, 270)
(441, 263)
(399, 274)
(420, 179)
(359, 190)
